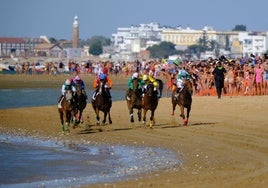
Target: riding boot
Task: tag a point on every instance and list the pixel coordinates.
(109, 94)
(177, 93)
(59, 101)
(94, 95)
(129, 92)
(84, 93)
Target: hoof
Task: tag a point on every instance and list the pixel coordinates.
(151, 126)
(185, 122)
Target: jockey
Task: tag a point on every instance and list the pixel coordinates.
(67, 86)
(107, 84)
(182, 76)
(149, 79)
(130, 84)
(77, 80)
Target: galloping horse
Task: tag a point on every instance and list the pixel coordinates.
(135, 101)
(183, 100)
(102, 103)
(81, 103)
(66, 111)
(149, 102)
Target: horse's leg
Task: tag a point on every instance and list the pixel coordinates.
(152, 122)
(97, 116)
(61, 120)
(68, 117)
(131, 115)
(79, 114)
(187, 116)
(144, 116)
(139, 114)
(110, 119)
(81, 119)
(104, 118)
(182, 115)
(173, 108)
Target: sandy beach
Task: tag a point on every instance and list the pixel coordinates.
(224, 145)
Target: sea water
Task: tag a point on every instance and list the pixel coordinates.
(33, 162)
(17, 98)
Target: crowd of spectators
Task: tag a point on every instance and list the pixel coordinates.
(244, 76)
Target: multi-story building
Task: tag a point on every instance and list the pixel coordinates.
(183, 38)
(253, 43)
(137, 38)
(132, 40)
(19, 46)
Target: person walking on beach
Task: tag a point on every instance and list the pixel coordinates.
(218, 73)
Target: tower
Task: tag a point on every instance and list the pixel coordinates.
(75, 32)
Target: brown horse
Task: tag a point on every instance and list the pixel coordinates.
(135, 101)
(102, 103)
(81, 103)
(149, 102)
(183, 100)
(66, 111)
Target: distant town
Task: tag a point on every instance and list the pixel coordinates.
(130, 43)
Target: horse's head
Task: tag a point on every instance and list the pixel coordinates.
(67, 101)
(136, 87)
(68, 96)
(188, 85)
(150, 89)
(101, 86)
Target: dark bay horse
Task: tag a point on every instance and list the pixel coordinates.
(66, 111)
(102, 103)
(81, 103)
(183, 100)
(149, 102)
(135, 101)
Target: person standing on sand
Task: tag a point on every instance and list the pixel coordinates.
(218, 73)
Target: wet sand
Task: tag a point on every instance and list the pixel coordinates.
(224, 145)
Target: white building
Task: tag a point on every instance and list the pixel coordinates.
(131, 40)
(253, 43)
(183, 38)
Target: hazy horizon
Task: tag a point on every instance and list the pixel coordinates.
(54, 18)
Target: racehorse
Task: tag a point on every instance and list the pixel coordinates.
(102, 103)
(183, 100)
(66, 111)
(135, 101)
(149, 102)
(81, 103)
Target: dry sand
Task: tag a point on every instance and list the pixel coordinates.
(224, 145)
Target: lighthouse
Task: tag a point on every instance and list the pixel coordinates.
(75, 33)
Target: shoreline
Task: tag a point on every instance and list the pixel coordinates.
(205, 144)
(225, 144)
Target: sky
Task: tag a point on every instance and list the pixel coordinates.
(54, 18)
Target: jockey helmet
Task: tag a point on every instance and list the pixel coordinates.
(68, 82)
(145, 77)
(102, 76)
(135, 75)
